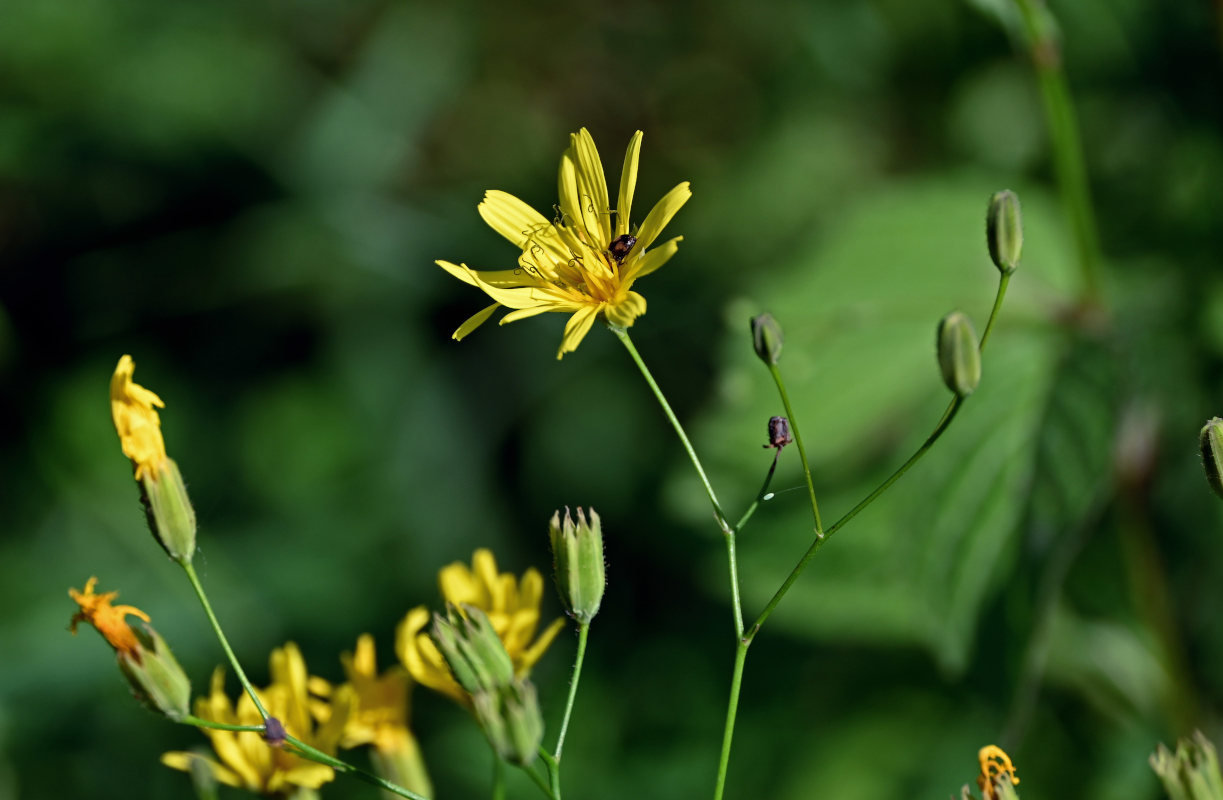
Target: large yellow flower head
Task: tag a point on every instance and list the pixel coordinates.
(136, 420)
(584, 261)
(246, 760)
(512, 607)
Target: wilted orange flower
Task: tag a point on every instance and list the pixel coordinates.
(110, 621)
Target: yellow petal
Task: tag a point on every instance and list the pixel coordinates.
(182, 761)
(535, 651)
(523, 313)
(459, 585)
(592, 189)
(659, 216)
(626, 311)
(521, 224)
(648, 262)
(577, 328)
(628, 184)
(484, 567)
(474, 321)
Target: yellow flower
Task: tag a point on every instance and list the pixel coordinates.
(584, 261)
(995, 766)
(246, 760)
(379, 716)
(139, 427)
(512, 607)
(110, 621)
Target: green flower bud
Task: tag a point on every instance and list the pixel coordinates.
(577, 554)
(156, 678)
(1004, 230)
(523, 721)
(511, 720)
(958, 355)
(169, 512)
(767, 338)
(1192, 773)
(472, 649)
(1212, 453)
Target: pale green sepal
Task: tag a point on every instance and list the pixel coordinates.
(156, 678)
(169, 512)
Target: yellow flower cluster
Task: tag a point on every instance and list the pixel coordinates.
(246, 760)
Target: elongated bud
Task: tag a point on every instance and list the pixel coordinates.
(1004, 230)
(767, 338)
(1192, 773)
(523, 721)
(145, 660)
(958, 355)
(1212, 453)
(156, 678)
(471, 647)
(168, 510)
(511, 720)
(577, 554)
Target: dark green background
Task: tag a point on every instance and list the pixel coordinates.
(248, 197)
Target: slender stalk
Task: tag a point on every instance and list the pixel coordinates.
(802, 451)
(1003, 282)
(306, 751)
(727, 531)
(583, 631)
(198, 722)
(623, 336)
(216, 627)
(732, 709)
(764, 489)
(498, 778)
(1068, 162)
(539, 781)
(948, 416)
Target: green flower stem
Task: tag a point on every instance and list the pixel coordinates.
(623, 336)
(539, 781)
(802, 451)
(498, 778)
(948, 415)
(1003, 282)
(216, 626)
(199, 722)
(764, 489)
(1064, 136)
(732, 710)
(306, 751)
(554, 763)
(727, 530)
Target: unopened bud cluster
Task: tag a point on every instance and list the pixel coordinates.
(506, 706)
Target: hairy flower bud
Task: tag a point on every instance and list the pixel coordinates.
(959, 357)
(1192, 773)
(1212, 453)
(511, 720)
(168, 510)
(767, 338)
(472, 649)
(577, 553)
(1004, 231)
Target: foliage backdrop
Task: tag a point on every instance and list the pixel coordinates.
(248, 197)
